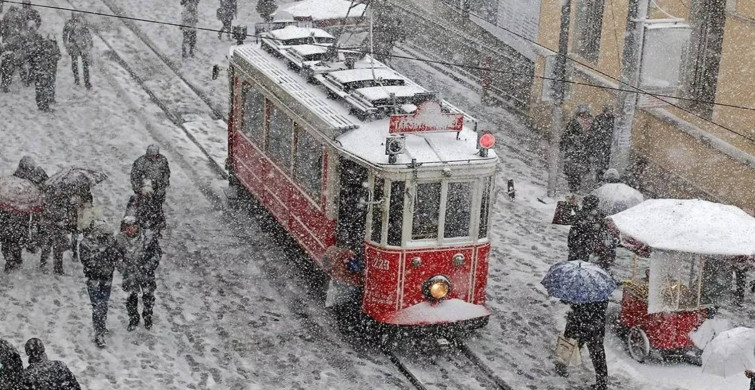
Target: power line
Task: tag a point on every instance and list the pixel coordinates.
(636, 90)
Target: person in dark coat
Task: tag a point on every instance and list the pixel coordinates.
(139, 256)
(45, 374)
(14, 229)
(150, 178)
(189, 20)
(29, 14)
(226, 12)
(99, 257)
(575, 146)
(602, 138)
(17, 45)
(587, 232)
(586, 323)
(44, 70)
(11, 367)
(29, 170)
(77, 39)
(751, 374)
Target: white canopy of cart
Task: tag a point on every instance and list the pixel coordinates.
(691, 226)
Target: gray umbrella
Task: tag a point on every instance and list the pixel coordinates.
(75, 178)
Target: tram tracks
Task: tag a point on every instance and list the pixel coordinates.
(438, 374)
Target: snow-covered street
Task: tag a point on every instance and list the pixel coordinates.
(235, 308)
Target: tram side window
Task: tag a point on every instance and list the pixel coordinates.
(254, 115)
(377, 210)
(426, 211)
(280, 137)
(308, 163)
(458, 210)
(487, 186)
(396, 213)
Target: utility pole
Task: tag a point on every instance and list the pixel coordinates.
(559, 87)
(630, 79)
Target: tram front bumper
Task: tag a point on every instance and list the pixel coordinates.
(447, 311)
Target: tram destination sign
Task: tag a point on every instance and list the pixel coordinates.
(427, 118)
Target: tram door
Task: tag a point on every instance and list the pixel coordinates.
(352, 207)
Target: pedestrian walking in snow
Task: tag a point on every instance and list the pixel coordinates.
(150, 179)
(189, 20)
(575, 146)
(29, 14)
(45, 374)
(11, 366)
(16, 53)
(44, 72)
(587, 232)
(226, 12)
(58, 220)
(13, 233)
(99, 257)
(77, 38)
(139, 256)
(601, 140)
(586, 323)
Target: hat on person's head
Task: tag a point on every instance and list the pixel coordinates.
(611, 175)
(583, 109)
(590, 202)
(35, 350)
(153, 150)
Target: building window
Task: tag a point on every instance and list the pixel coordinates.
(588, 27)
(704, 56)
(254, 115)
(280, 137)
(308, 162)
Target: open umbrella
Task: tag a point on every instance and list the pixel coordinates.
(19, 196)
(730, 353)
(578, 282)
(617, 197)
(75, 178)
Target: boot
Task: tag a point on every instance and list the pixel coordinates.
(100, 340)
(148, 322)
(561, 370)
(132, 324)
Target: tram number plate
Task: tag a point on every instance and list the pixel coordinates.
(381, 263)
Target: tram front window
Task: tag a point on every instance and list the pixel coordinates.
(458, 210)
(426, 211)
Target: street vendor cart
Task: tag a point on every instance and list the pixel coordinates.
(684, 254)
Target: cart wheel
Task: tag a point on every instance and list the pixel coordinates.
(638, 344)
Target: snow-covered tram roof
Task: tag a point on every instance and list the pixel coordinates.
(364, 139)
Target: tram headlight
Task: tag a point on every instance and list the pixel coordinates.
(436, 288)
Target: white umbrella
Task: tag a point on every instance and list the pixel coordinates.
(730, 353)
(711, 328)
(617, 197)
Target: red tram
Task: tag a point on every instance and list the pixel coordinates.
(386, 187)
